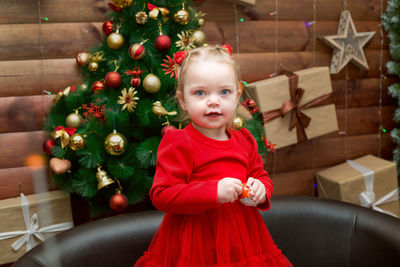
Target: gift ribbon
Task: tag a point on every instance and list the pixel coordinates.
(298, 119)
(367, 197)
(63, 134)
(154, 10)
(32, 229)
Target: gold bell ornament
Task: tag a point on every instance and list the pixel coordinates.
(76, 142)
(74, 119)
(115, 143)
(103, 180)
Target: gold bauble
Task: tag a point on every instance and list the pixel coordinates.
(76, 142)
(151, 83)
(82, 58)
(93, 66)
(115, 143)
(103, 180)
(74, 120)
(115, 40)
(182, 17)
(238, 123)
(122, 3)
(201, 22)
(199, 37)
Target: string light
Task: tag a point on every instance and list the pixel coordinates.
(46, 19)
(308, 24)
(241, 20)
(273, 13)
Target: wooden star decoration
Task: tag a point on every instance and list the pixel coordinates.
(347, 44)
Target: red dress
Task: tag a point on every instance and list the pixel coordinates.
(196, 229)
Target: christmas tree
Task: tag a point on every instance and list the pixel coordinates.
(391, 19)
(104, 132)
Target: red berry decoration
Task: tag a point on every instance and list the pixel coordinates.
(137, 51)
(108, 27)
(47, 146)
(162, 42)
(97, 86)
(113, 79)
(135, 81)
(166, 129)
(118, 202)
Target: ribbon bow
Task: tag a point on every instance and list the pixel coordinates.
(63, 134)
(154, 10)
(136, 72)
(32, 229)
(367, 198)
(298, 119)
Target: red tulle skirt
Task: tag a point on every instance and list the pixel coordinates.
(230, 235)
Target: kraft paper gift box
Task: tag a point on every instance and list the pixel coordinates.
(44, 214)
(295, 107)
(366, 181)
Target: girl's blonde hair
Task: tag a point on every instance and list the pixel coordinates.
(209, 53)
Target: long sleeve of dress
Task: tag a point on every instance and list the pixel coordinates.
(171, 191)
(256, 169)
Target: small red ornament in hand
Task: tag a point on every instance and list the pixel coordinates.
(246, 196)
(113, 79)
(118, 202)
(162, 42)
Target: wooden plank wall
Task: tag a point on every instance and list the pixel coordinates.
(38, 54)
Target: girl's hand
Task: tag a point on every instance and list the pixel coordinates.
(229, 190)
(257, 190)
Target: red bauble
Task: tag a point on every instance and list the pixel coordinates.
(162, 42)
(47, 146)
(118, 202)
(108, 27)
(135, 81)
(251, 103)
(137, 51)
(166, 129)
(113, 79)
(97, 86)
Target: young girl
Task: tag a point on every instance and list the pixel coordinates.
(199, 177)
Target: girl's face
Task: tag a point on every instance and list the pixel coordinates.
(210, 94)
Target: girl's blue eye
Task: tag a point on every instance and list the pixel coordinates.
(225, 92)
(200, 93)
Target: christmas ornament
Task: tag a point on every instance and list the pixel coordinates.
(114, 7)
(118, 202)
(179, 57)
(61, 93)
(182, 16)
(59, 166)
(115, 143)
(227, 48)
(154, 11)
(141, 17)
(166, 129)
(159, 110)
(185, 42)
(151, 83)
(93, 111)
(238, 123)
(137, 51)
(82, 58)
(199, 38)
(97, 86)
(201, 22)
(128, 99)
(62, 134)
(199, 16)
(115, 40)
(113, 79)
(170, 67)
(103, 180)
(76, 142)
(108, 27)
(93, 66)
(162, 42)
(246, 196)
(122, 3)
(347, 44)
(82, 87)
(47, 146)
(135, 81)
(74, 120)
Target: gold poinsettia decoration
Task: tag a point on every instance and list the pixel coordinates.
(128, 99)
(186, 41)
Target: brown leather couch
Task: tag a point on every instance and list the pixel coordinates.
(310, 232)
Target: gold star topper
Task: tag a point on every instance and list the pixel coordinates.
(347, 44)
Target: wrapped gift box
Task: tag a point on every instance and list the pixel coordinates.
(46, 214)
(349, 182)
(311, 97)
